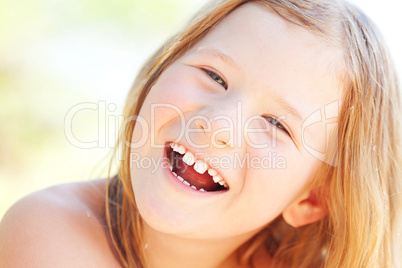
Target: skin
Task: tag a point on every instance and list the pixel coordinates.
(62, 226)
(270, 60)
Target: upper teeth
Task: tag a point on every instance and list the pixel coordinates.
(176, 147)
(189, 158)
(199, 165)
(217, 178)
(181, 149)
(212, 172)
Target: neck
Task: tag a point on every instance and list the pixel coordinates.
(167, 250)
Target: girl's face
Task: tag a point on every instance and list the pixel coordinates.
(244, 101)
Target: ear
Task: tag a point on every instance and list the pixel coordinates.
(305, 210)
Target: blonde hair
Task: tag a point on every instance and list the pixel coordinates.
(362, 192)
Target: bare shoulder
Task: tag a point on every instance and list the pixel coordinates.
(61, 226)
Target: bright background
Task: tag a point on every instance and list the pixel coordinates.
(57, 54)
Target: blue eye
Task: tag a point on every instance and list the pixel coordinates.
(273, 121)
(217, 79)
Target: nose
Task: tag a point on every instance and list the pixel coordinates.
(219, 129)
(216, 126)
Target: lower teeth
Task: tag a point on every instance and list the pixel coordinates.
(184, 181)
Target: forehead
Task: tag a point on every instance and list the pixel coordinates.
(273, 54)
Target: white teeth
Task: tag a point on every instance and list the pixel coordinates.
(174, 173)
(212, 172)
(175, 147)
(181, 149)
(189, 158)
(217, 178)
(178, 148)
(200, 167)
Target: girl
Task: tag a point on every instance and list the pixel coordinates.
(274, 131)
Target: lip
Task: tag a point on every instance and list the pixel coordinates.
(178, 184)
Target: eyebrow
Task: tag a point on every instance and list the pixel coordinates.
(288, 108)
(212, 52)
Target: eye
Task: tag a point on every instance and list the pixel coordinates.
(217, 79)
(275, 122)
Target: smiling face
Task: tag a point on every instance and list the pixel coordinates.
(236, 104)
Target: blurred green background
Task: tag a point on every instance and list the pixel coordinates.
(55, 54)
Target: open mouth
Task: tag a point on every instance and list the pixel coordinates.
(192, 172)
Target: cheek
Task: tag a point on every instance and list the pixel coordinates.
(163, 104)
(315, 137)
(176, 93)
(276, 180)
(169, 98)
(177, 85)
(319, 129)
(321, 141)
